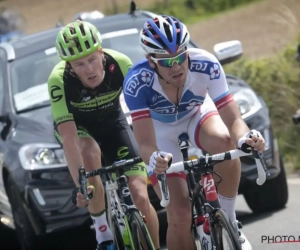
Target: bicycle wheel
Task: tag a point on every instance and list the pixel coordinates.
(225, 236)
(139, 232)
(118, 239)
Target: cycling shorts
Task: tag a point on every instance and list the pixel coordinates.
(167, 135)
(115, 139)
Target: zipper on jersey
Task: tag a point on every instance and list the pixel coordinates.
(177, 104)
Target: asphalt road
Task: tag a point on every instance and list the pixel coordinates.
(278, 225)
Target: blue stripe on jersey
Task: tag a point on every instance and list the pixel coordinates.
(169, 118)
(221, 96)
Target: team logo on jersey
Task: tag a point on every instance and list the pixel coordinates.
(143, 78)
(206, 67)
(56, 93)
(112, 68)
(215, 71)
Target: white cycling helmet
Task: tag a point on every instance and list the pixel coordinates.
(164, 35)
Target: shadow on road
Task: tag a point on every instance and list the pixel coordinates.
(249, 217)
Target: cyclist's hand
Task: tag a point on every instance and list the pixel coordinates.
(253, 139)
(159, 162)
(298, 112)
(78, 198)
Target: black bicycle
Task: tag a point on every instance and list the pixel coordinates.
(124, 219)
(210, 225)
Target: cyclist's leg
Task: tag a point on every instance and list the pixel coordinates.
(91, 156)
(179, 216)
(119, 145)
(207, 131)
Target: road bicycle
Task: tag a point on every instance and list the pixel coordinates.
(124, 219)
(210, 224)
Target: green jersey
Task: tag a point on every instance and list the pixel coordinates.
(71, 100)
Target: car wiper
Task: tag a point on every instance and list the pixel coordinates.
(34, 107)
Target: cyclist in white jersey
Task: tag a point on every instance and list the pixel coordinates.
(176, 90)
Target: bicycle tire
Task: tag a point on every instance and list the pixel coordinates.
(138, 229)
(221, 222)
(118, 239)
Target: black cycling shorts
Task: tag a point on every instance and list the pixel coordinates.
(116, 141)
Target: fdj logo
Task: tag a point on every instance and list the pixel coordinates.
(122, 152)
(143, 78)
(198, 66)
(206, 67)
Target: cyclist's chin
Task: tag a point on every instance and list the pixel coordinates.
(93, 83)
(178, 80)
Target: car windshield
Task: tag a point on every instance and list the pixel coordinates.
(29, 75)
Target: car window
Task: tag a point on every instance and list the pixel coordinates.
(126, 42)
(29, 76)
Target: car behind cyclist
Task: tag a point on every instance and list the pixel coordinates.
(176, 90)
(84, 89)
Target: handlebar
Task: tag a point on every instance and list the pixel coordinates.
(115, 167)
(206, 162)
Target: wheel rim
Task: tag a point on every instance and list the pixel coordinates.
(226, 240)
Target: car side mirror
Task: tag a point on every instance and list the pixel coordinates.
(227, 52)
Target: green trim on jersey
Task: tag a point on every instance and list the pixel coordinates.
(100, 100)
(59, 108)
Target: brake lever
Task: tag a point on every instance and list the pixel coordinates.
(162, 181)
(261, 167)
(83, 182)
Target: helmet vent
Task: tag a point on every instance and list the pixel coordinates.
(168, 32)
(87, 45)
(71, 51)
(62, 50)
(82, 29)
(65, 38)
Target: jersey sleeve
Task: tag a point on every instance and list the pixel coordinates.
(135, 86)
(207, 64)
(59, 107)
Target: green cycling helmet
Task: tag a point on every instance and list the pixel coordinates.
(77, 39)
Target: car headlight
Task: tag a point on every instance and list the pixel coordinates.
(125, 109)
(247, 102)
(39, 156)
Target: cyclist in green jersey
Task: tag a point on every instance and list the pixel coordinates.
(84, 89)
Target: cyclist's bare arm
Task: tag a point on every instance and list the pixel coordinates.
(230, 115)
(68, 133)
(145, 136)
(238, 128)
(64, 120)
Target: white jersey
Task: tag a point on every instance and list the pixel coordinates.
(145, 97)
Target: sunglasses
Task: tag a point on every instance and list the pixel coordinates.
(169, 62)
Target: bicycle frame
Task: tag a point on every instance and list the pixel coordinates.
(119, 201)
(203, 195)
(207, 184)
